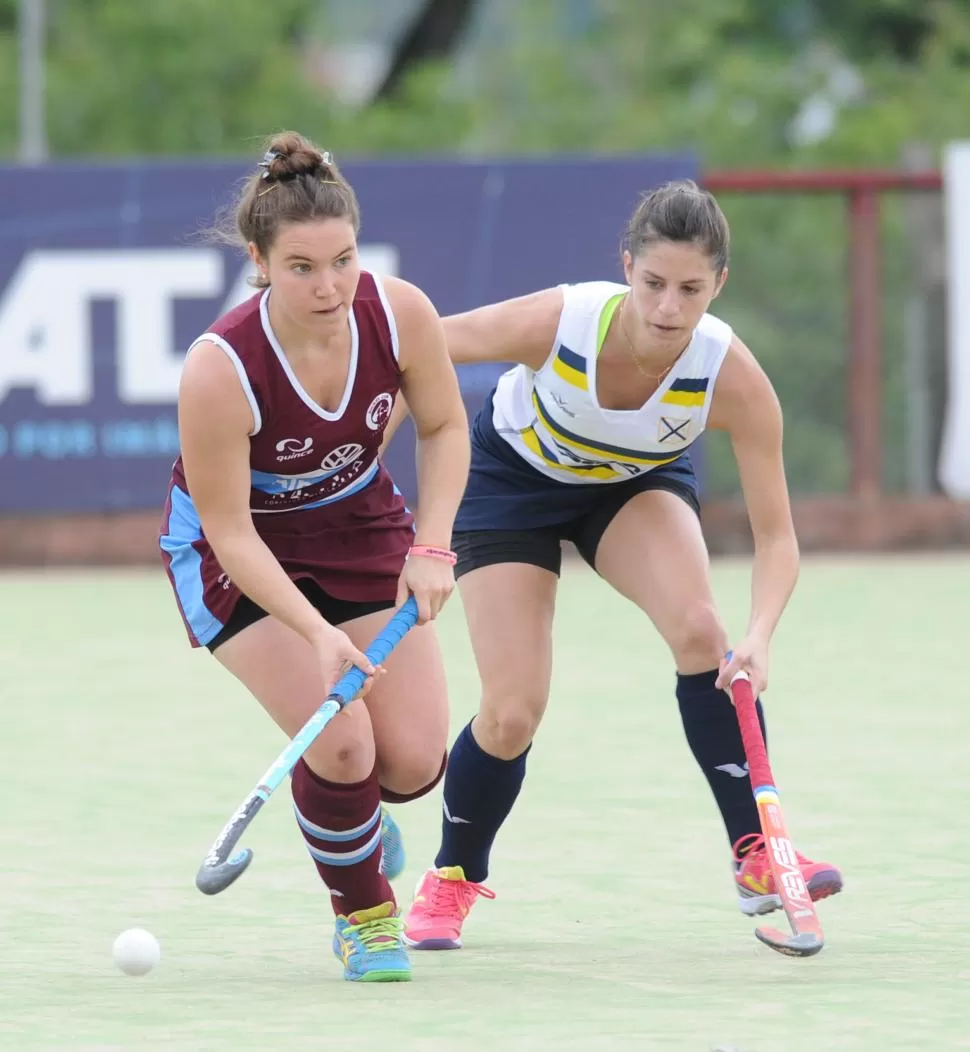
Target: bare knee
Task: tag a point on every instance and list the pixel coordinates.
(345, 750)
(698, 641)
(408, 777)
(411, 777)
(505, 726)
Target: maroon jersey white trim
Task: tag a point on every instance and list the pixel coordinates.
(324, 414)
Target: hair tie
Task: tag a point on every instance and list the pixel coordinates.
(267, 160)
(326, 162)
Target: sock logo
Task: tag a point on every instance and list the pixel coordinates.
(733, 770)
(453, 819)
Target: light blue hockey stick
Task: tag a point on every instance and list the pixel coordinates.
(218, 870)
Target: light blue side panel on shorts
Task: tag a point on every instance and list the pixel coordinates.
(186, 564)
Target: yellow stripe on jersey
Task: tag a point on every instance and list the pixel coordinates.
(685, 398)
(569, 374)
(687, 391)
(602, 472)
(585, 445)
(571, 367)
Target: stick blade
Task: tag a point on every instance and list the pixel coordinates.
(210, 880)
(804, 944)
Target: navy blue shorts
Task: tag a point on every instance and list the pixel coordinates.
(511, 513)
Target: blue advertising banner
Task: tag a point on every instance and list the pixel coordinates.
(104, 283)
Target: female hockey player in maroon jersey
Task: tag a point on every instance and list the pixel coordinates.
(286, 541)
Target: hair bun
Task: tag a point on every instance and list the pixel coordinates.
(290, 155)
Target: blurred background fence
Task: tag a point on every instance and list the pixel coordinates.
(837, 284)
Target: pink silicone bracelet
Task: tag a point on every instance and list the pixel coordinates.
(434, 553)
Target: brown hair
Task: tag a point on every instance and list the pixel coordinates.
(680, 211)
(293, 183)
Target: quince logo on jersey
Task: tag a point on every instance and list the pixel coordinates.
(378, 411)
(291, 448)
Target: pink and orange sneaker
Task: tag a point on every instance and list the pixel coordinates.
(441, 903)
(756, 885)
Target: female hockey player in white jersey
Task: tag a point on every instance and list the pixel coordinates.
(586, 439)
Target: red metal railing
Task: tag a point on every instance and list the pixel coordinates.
(861, 188)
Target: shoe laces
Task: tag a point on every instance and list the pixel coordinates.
(449, 896)
(753, 844)
(379, 933)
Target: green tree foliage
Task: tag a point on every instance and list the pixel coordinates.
(206, 77)
(725, 79)
(9, 60)
(426, 115)
(180, 77)
(728, 79)
(868, 28)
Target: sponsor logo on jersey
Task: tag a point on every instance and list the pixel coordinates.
(341, 456)
(292, 448)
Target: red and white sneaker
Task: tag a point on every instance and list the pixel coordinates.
(441, 903)
(756, 885)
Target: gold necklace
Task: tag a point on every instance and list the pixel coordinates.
(632, 349)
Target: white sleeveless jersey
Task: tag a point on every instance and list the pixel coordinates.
(552, 419)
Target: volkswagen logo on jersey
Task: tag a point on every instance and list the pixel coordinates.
(291, 448)
(341, 456)
(378, 411)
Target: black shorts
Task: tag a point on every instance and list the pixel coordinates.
(511, 513)
(336, 611)
(542, 545)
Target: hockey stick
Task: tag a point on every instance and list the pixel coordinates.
(218, 870)
(806, 938)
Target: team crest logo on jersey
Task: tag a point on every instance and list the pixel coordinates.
(291, 448)
(674, 429)
(378, 411)
(341, 456)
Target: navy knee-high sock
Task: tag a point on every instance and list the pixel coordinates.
(711, 726)
(479, 792)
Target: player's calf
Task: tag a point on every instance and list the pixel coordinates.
(341, 826)
(393, 857)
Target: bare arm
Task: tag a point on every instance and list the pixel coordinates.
(214, 425)
(430, 387)
(747, 407)
(521, 331)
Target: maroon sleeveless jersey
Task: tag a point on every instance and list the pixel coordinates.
(320, 498)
